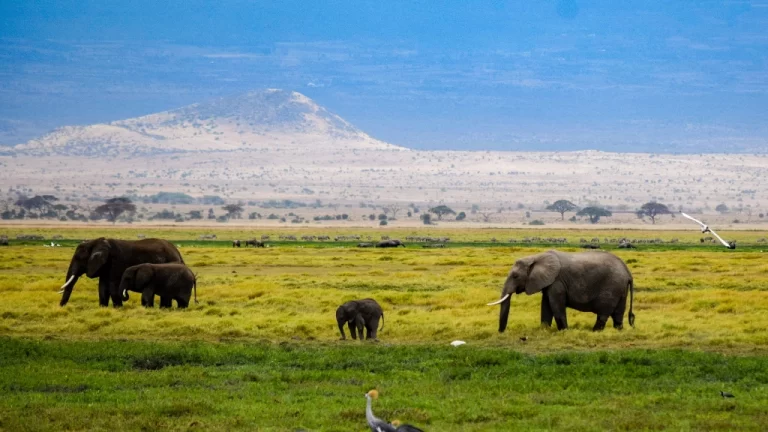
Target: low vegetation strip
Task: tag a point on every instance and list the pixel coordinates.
(66, 385)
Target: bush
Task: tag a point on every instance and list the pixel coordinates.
(382, 217)
(536, 222)
(382, 222)
(461, 216)
(426, 218)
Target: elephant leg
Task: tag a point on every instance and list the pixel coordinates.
(600, 323)
(182, 303)
(373, 328)
(618, 315)
(114, 291)
(353, 330)
(103, 292)
(166, 301)
(556, 299)
(148, 298)
(546, 311)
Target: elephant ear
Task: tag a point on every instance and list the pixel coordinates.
(144, 274)
(542, 272)
(99, 257)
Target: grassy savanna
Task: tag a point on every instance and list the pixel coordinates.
(260, 350)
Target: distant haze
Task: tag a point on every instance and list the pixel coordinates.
(650, 76)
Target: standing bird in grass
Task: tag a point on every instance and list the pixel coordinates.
(378, 425)
(705, 229)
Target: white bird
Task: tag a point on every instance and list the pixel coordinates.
(705, 229)
(457, 343)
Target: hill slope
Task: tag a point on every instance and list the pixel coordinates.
(256, 120)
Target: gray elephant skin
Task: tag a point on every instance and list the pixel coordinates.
(389, 244)
(172, 281)
(591, 281)
(359, 315)
(107, 259)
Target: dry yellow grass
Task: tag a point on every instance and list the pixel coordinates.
(713, 301)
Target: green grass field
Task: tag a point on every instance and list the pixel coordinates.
(261, 350)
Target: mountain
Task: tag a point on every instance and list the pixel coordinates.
(269, 119)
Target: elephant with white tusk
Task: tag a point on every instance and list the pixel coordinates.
(107, 259)
(597, 282)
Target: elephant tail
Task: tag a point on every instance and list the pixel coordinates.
(194, 286)
(382, 321)
(631, 300)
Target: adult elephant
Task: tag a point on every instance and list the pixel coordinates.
(592, 281)
(107, 259)
(389, 244)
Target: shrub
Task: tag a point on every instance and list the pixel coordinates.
(536, 222)
(382, 222)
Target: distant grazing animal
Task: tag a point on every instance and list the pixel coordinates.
(592, 281)
(4, 241)
(107, 259)
(590, 246)
(726, 394)
(235, 243)
(174, 281)
(359, 315)
(254, 243)
(378, 425)
(364, 245)
(627, 246)
(705, 229)
(389, 244)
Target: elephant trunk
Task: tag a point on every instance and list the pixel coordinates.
(504, 314)
(341, 328)
(73, 274)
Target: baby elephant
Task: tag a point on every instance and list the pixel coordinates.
(358, 314)
(171, 281)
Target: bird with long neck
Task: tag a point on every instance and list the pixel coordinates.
(378, 425)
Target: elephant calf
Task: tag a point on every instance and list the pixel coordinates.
(173, 281)
(359, 314)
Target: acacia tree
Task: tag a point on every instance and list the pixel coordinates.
(233, 210)
(114, 207)
(562, 206)
(392, 208)
(41, 204)
(722, 208)
(441, 211)
(653, 210)
(594, 213)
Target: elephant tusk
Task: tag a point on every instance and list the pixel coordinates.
(499, 301)
(67, 283)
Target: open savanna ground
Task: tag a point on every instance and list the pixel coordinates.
(261, 350)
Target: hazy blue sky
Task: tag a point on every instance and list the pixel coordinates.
(569, 74)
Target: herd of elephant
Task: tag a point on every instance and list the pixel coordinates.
(591, 281)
